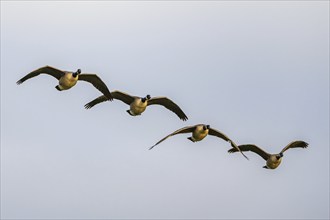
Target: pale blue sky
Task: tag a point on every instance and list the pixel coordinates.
(257, 71)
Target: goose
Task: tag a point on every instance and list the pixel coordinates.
(199, 132)
(139, 104)
(68, 79)
(272, 160)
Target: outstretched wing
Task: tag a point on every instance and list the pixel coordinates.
(253, 148)
(180, 131)
(124, 97)
(170, 105)
(221, 135)
(115, 94)
(295, 144)
(46, 70)
(97, 83)
(96, 101)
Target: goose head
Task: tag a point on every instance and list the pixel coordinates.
(75, 74)
(280, 155)
(205, 127)
(146, 98)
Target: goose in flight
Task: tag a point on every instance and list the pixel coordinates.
(199, 132)
(68, 79)
(139, 104)
(272, 160)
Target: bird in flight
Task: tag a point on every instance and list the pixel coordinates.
(199, 132)
(139, 104)
(67, 79)
(272, 160)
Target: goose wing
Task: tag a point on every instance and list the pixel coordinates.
(46, 70)
(253, 148)
(96, 101)
(187, 129)
(97, 83)
(221, 135)
(124, 97)
(295, 144)
(115, 94)
(170, 105)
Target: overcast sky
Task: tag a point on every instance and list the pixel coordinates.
(257, 71)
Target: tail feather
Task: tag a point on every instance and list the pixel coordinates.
(129, 112)
(190, 138)
(58, 88)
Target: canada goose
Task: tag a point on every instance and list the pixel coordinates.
(68, 79)
(139, 104)
(199, 132)
(272, 160)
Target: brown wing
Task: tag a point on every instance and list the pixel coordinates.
(124, 97)
(96, 101)
(253, 148)
(221, 135)
(180, 131)
(217, 133)
(170, 105)
(295, 144)
(97, 83)
(115, 94)
(46, 70)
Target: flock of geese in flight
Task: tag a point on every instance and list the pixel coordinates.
(137, 105)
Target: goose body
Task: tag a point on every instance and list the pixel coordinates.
(198, 133)
(272, 160)
(68, 79)
(137, 105)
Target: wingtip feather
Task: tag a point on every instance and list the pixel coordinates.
(245, 156)
(87, 106)
(184, 118)
(110, 98)
(232, 150)
(305, 145)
